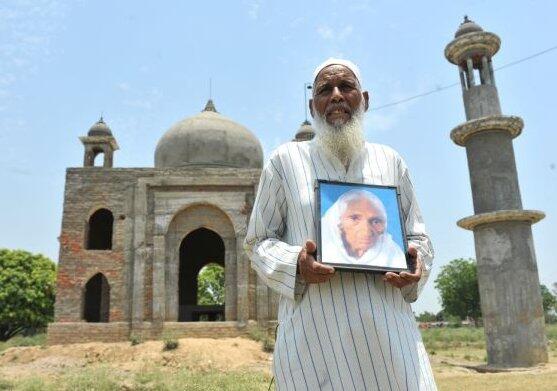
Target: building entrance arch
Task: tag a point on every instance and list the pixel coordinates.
(198, 249)
(199, 235)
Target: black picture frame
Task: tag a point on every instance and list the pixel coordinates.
(405, 264)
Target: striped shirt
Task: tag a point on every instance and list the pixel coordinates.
(353, 332)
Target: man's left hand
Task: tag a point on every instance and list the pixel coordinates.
(405, 278)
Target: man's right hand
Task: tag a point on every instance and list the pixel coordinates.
(311, 270)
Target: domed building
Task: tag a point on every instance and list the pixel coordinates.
(134, 240)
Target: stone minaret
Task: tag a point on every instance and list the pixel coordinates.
(507, 271)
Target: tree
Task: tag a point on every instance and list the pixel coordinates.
(458, 285)
(549, 303)
(27, 290)
(210, 285)
(426, 317)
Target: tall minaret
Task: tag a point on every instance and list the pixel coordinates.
(507, 271)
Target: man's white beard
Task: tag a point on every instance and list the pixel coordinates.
(343, 141)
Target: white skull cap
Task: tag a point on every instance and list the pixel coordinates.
(337, 61)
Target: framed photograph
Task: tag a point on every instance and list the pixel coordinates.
(360, 227)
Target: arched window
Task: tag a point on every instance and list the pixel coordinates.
(98, 157)
(99, 232)
(96, 299)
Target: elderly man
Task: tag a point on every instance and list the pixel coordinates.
(354, 231)
(337, 330)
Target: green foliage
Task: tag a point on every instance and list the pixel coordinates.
(426, 317)
(170, 344)
(261, 335)
(135, 339)
(454, 321)
(458, 285)
(210, 285)
(27, 290)
(549, 302)
(20, 340)
(6, 385)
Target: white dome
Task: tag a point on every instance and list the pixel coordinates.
(208, 139)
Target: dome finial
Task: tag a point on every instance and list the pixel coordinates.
(100, 128)
(210, 106)
(467, 26)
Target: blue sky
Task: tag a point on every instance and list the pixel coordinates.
(147, 65)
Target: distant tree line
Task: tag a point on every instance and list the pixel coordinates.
(28, 282)
(457, 284)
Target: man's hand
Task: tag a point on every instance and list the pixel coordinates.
(311, 270)
(405, 278)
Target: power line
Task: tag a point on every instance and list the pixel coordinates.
(438, 89)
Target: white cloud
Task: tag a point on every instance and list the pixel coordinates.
(146, 100)
(325, 32)
(335, 35)
(253, 8)
(345, 32)
(123, 86)
(26, 31)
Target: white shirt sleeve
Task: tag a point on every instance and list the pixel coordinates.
(274, 260)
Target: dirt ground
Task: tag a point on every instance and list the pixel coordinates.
(196, 354)
(239, 354)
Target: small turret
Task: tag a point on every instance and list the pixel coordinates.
(99, 140)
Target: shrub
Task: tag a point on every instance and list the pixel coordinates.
(268, 345)
(263, 336)
(170, 344)
(135, 339)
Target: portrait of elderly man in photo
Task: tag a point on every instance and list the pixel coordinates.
(354, 231)
(338, 330)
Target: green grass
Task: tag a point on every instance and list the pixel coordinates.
(34, 340)
(106, 379)
(551, 331)
(448, 338)
(468, 337)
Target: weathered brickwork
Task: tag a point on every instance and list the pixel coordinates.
(121, 269)
(153, 210)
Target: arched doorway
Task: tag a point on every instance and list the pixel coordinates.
(198, 249)
(96, 306)
(206, 221)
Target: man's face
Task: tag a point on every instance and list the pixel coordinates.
(361, 225)
(336, 95)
